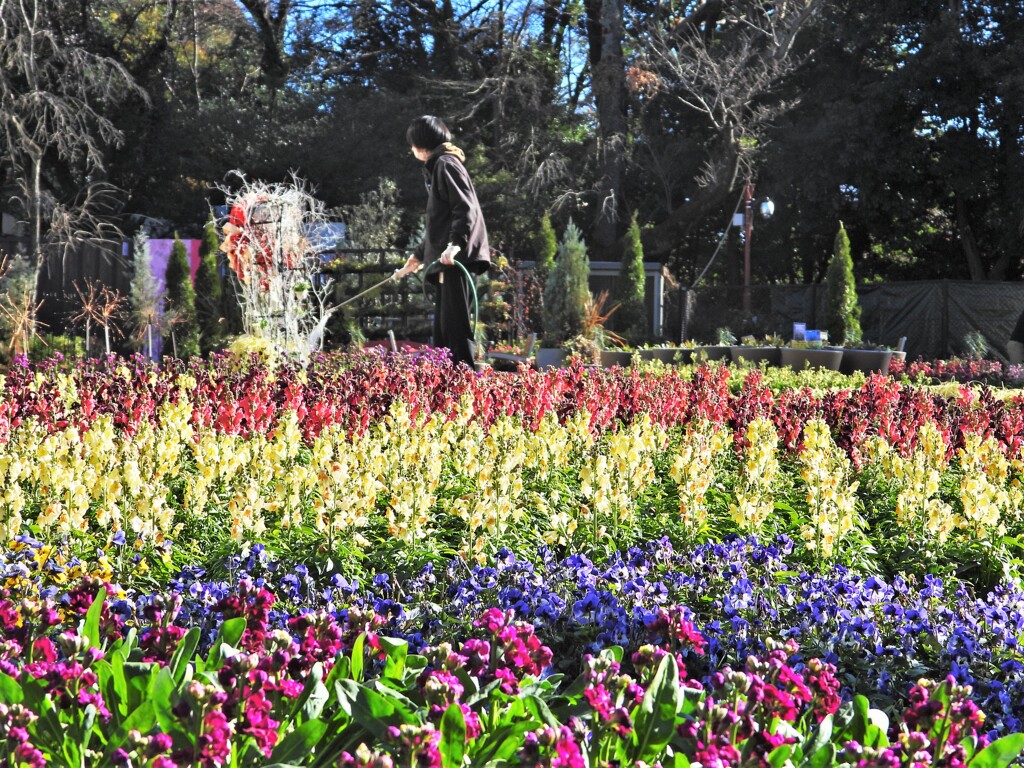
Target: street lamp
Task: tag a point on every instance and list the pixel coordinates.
(766, 208)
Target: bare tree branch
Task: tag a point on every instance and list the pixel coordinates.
(723, 63)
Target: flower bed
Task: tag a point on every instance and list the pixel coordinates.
(189, 469)
(329, 693)
(400, 496)
(882, 635)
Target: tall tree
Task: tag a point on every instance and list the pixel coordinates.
(715, 75)
(631, 321)
(209, 290)
(55, 99)
(608, 83)
(181, 298)
(271, 18)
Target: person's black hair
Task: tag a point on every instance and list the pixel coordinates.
(427, 132)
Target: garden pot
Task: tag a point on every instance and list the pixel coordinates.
(549, 357)
(866, 360)
(755, 355)
(666, 355)
(710, 353)
(799, 359)
(610, 357)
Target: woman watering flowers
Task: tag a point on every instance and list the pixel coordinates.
(455, 230)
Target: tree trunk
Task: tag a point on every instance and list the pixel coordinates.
(968, 241)
(36, 236)
(608, 81)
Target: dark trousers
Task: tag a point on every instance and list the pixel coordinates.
(453, 324)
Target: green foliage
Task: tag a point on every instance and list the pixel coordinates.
(631, 319)
(567, 291)
(181, 299)
(842, 310)
(375, 221)
(144, 297)
(545, 246)
(209, 290)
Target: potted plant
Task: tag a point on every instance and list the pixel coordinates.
(566, 296)
(754, 351)
(866, 358)
(597, 341)
(719, 351)
(799, 355)
(665, 354)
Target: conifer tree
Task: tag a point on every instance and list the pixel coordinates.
(631, 287)
(145, 298)
(567, 290)
(181, 299)
(209, 290)
(545, 246)
(842, 310)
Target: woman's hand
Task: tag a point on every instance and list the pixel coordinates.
(447, 257)
(412, 265)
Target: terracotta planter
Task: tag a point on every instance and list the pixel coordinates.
(799, 359)
(755, 355)
(866, 360)
(549, 357)
(610, 357)
(711, 353)
(666, 355)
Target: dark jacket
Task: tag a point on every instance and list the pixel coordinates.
(453, 213)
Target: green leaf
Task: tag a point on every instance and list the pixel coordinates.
(655, 718)
(128, 643)
(300, 742)
(119, 693)
(231, 632)
(142, 719)
(820, 736)
(415, 663)
(613, 652)
(778, 756)
(315, 696)
(1000, 753)
(358, 657)
(823, 758)
(453, 737)
(91, 627)
(72, 752)
(138, 677)
(397, 651)
(161, 693)
(501, 744)
(183, 655)
(339, 670)
(537, 707)
(875, 736)
(10, 690)
(861, 718)
(372, 710)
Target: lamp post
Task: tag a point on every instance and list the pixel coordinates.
(748, 228)
(767, 208)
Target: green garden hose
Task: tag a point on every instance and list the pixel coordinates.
(472, 290)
